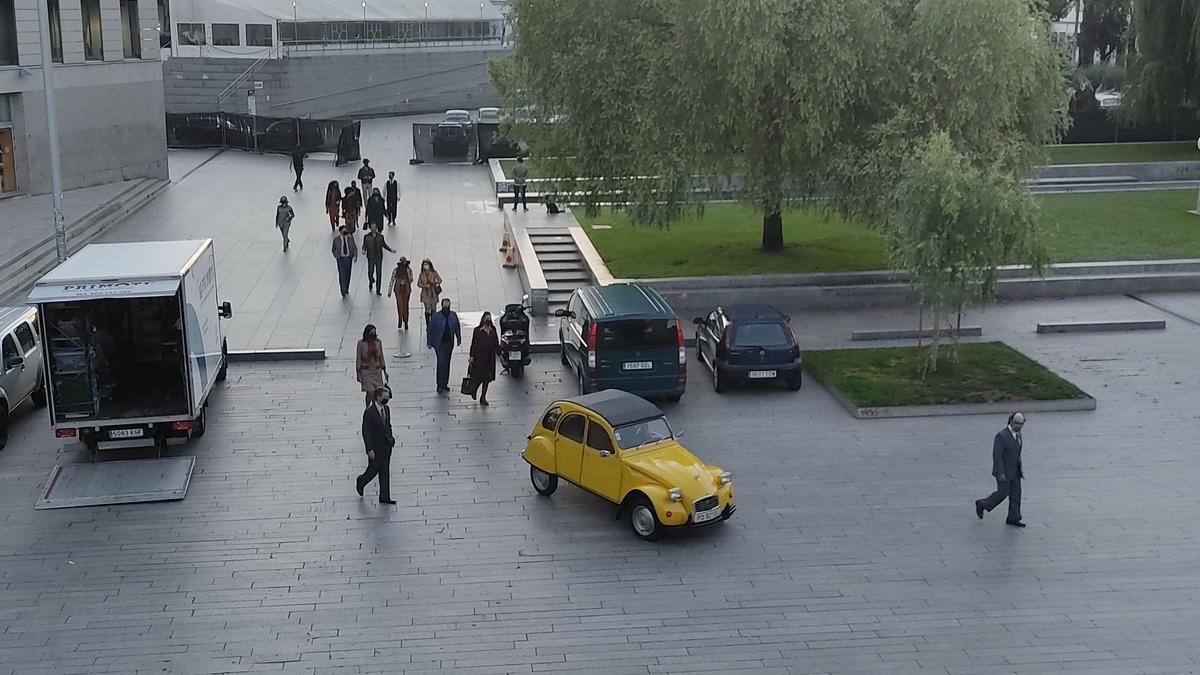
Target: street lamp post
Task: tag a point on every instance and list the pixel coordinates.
(56, 197)
(364, 23)
(425, 26)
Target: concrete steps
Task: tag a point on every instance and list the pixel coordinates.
(28, 265)
(562, 264)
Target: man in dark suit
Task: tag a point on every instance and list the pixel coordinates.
(1006, 467)
(378, 438)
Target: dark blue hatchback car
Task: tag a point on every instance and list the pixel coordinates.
(748, 343)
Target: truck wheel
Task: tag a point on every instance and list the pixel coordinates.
(223, 372)
(544, 483)
(199, 424)
(3, 426)
(644, 520)
(517, 371)
(160, 440)
(39, 397)
(562, 353)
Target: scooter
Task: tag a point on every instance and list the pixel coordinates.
(514, 338)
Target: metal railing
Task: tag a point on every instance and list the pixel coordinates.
(316, 47)
(246, 74)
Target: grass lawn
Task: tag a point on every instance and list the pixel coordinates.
(506, 165)
(1077, 227)
(987, 372)
(726, 240)
(1116, 153)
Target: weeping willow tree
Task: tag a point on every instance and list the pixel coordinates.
(1165, 67)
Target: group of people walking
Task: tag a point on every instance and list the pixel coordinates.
(377, 207)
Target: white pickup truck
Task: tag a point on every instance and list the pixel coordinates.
(21, 376)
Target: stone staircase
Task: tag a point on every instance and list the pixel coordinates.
(561, 262)
(24, 267)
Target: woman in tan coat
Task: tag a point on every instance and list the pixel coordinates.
(369, 363)
(402, 279)
(430, 283)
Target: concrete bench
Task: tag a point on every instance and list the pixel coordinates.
(1100, 326)
(249, 355)
(911, 334)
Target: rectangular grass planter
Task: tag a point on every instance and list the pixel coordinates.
(990, 377)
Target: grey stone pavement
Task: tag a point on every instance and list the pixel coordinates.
(855, 548)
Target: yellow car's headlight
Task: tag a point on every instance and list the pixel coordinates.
(726, 478)
(676, 495)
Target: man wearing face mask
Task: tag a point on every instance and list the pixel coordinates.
(345, 252)
(443, 332)
(1006, 468)
(378, 438)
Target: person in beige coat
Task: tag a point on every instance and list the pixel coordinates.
(401, 284)
(369, 363)
(430, 283)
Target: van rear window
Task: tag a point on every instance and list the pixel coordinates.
(637, 334)
(760, 335)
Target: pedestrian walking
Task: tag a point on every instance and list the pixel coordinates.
(376, 210)
(345, 252)
(443, 332)
(520, 174)
(392, 194)
(369, 364)
(298, 167)
(1006, 468)
(366, 176)
(351, 204)
(283, 220)
(401, 284)
(430, 283)
(485, 348)
(333, 204)
(373, 247)
(379, 441)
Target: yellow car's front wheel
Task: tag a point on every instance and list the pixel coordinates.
(644, 520)
(544, 483)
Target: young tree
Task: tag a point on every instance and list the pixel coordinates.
(952, 224)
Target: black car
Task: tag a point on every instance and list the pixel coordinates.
(450, 140)
(748, 343)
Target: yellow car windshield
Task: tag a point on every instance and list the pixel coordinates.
(632, 436)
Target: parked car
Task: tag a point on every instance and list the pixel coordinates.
(620, 447)
(748, 343)
(488, 116)
(450, 140)
(21, 376)
(456, 117)
(623, 336)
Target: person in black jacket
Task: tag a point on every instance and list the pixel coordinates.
(376, 210)
(378, 438)
(1006, 468)
(392, 188)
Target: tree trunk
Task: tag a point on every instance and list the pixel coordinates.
(920, 324)
(937, 334)
(772, 239)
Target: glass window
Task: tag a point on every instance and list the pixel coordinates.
(55, 31)
(131, 32)
(8, 34)
(258, 35)
(93, 33)
(637, 334)
(632, 435)
(551, 418)
(572, 428)
(597, 438)
(25, 337)
(760, 335)
(225, 34)
(5, 108)
(192, 34)
(10, 353)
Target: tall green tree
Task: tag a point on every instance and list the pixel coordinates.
(1164, 69)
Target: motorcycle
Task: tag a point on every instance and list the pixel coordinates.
(514, 338)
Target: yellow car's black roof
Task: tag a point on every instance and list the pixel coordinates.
(618, 407)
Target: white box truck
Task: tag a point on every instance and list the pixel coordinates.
(132, 341)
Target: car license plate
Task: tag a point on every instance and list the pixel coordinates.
(514, 355)
(705, 516)
(125, 433)
(761, 374)
(637, 365)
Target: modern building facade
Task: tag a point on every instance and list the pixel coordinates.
(108, 84)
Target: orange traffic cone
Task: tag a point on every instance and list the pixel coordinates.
(505, 246)
(510, 261)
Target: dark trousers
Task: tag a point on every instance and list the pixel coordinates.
(375, 273)
(381, 467)
(299, 184)
(1010, 489)
(444, 352)
(344, 267)
(519, 196)
(391, 211)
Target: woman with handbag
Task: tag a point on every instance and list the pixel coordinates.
(369, 363)
(485, 347)
(430, 283)
(333, 204)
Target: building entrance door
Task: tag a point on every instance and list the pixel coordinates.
(8, 162)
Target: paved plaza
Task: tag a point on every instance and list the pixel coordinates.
(854, 549)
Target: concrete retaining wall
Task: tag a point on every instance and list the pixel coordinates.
(1144, 171)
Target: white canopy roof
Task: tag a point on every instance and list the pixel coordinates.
(252, 11)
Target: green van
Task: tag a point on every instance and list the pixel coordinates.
(623, 336)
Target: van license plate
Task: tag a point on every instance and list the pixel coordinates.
(637, 365)
(705, 516)
(514, 356)
(761, 374)
(125, 433)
